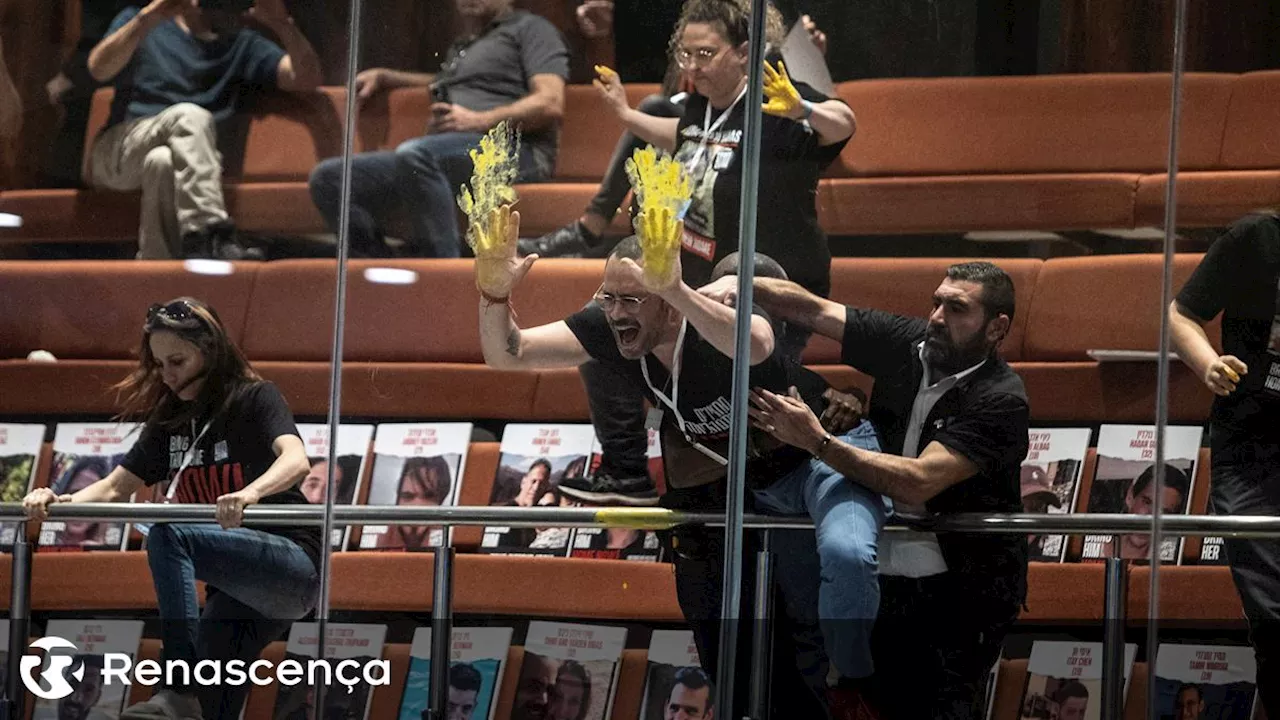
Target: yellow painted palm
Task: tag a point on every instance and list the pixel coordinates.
(662, 191)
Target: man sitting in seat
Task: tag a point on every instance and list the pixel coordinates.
(180, 69)
(507, 65)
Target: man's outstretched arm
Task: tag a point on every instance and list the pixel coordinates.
(507, 347)
(786, 301)
(504, 344)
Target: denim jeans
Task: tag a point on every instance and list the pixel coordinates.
(848, 519)
(1246, 481)
(798, 681)
(263, 583)
(421, 179)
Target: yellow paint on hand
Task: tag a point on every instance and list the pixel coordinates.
(496, 164)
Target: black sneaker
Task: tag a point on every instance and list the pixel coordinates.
(570, 241)
(227, 245)
(605, 488)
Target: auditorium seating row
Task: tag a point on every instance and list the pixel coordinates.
(412, 353)
(412, 350)
(1010, 681)
(942, 155)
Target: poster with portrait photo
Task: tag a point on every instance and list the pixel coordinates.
(569, 671)
(84, 453)
(1124, 483)
(350, 452)
(619, 543)
(534, 459)
(20, 446)
(1064, 680)
(1051, 481)
(91, 698)
(1205, 681)
(415, 464)
(674, 680)
(477, 661)
(361, 642)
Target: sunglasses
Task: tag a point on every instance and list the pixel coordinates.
(178, 312)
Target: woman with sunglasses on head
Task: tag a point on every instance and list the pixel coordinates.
(225, 437)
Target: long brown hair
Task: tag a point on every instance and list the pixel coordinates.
(226, 372)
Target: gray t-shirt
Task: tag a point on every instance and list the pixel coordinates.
(494, 69)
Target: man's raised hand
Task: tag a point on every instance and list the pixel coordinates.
(660, 231)
(498, 269)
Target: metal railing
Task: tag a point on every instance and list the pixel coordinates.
(638, 518)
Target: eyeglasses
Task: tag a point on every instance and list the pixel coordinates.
(700, 58)
(629, 303)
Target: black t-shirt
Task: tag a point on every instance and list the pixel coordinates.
(171, 66)
(706, 386)
(1240, 278)
(791, 162)
(985, 417)
(234, 451)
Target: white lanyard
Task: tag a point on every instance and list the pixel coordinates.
(676, 356)
(708, 128)
(145, 528)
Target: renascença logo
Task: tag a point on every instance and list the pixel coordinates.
(55, 675)
(119, 668)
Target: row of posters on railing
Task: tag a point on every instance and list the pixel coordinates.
(412, 464)
(572, 670)
(1064, 681)
(566, 671)
(425, 464)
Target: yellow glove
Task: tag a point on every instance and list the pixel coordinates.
(660, 231)
(781, 97)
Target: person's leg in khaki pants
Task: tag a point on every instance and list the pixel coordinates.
(181, 188)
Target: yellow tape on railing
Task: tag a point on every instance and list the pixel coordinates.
(641, 518)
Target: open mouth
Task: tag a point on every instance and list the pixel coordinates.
(627, 335)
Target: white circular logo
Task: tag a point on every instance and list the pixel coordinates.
(53, 676)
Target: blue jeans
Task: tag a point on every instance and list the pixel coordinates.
(420, 179)
(848, 520)
(264, 583)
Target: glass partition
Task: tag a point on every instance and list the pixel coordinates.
(968, 201)
(1219, 370)
(154, 213)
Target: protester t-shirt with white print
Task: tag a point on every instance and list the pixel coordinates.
(705, 385)
(792, 159)
(233, 452)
